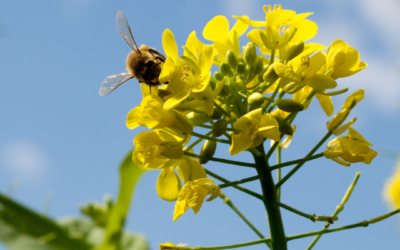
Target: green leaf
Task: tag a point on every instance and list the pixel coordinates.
(22, 228)
(129, 175)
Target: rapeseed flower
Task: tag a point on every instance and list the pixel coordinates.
(392, 188)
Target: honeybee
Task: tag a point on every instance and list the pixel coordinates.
(142, 63)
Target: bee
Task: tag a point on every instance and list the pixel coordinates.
(142, 63)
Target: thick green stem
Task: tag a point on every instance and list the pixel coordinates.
(279, 172)
(278, 238)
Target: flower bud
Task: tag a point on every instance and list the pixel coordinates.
(284, 128)
(292, 87)
(241, 68)
(255, 100)
(290, 105)
(338, 119)
(196, 118)
(231, 59)
(270, 75)
(216, 114)
(225, 69)
(250, 54)
(218, 76)
(208, 149)
(225, 90)
(294, 50)
(219, 128)
(258, 67)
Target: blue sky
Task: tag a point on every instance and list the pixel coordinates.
(60, 137)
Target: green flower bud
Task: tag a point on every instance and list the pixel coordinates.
(270, 75)
(338, 119)
(208, 149)
(218, 76)
(219, 128)
(241, 68)
(294, 50)
(250, 54)
(255, 100)
(231, 59)
(258, 67)
(216, 114)
(284, 128)
(225, 90)
(196, 118)
(225, 69)
(290, 105)
(293, 87)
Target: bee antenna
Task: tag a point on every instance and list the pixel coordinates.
(150, 88)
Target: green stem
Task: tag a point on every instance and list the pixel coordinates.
(271, 98)
(279, 173)
(233, 183)
(210, 138)
(278, 166)
(276, 101)
(338, 209)
(228, 202)
(269, 198)
(284, 179)
(244, 190)
(250, 243)
(238, 163)
(220, 109)
(197, 142)
(271, 60)
(289, 208)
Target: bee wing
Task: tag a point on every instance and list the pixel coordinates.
(112, 82)
(125, 31)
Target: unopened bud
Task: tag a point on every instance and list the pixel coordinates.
(284, 128)
(225, 90)
(231, 59)
(208, 150)
(225, 69)
(218, 76)
(338, 119)
(270, 75)
(258, 67)
(290, 105)
(255, 100)
(216, 114)
(292, 87)
(241, 68)
(196, 118)
(250, 53)
(219, 128)
(294, 50)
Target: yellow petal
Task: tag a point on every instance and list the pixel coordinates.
(353, 134)
(240, 143)
(193, 43)
(205, 60)
(320, 82)
(279, 17)
(356, 96)
(247, 21)
(168, 185)
(167, 70)
(177, 98)
(216, 29)
(306, 30)
(169, 45)
(190, 169)
(392, 188)
(182, 205)
(286, 142)
(316, 62)
(326, 103)
(286, 72)
(298, 18)
(155, 164)
(240, 27)
(255, 37)
(133, 119)
(248, 120)
(197, 199)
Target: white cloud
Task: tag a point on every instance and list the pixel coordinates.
(23, 159)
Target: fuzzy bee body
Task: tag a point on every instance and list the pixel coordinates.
(142, 63)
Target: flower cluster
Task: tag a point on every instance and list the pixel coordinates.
(242, 103)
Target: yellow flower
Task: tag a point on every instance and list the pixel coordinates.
(283, 28)
(192, 196)
(150, 114)
(302, 71)
(350, 149)
(392, 188)
(169, 244)
(217, 30)
(162, 150)
(253, 127)
(343, 60)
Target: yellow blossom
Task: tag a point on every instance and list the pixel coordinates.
(392, 188)
(253, 127)
(217, 31)
(192, 196)
(350, 149)
(343, 60)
